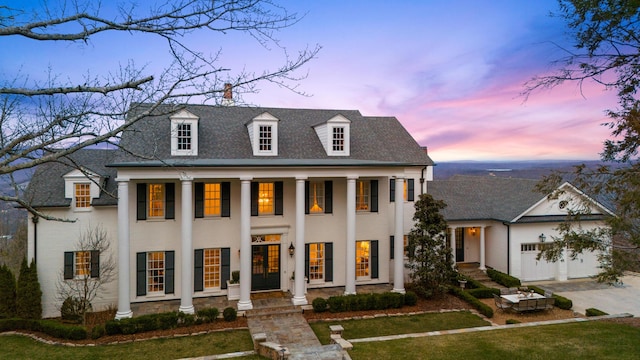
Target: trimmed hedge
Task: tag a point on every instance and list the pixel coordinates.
(160, 321)
(484, 293)
(483, 308)
(410, 298)
(561, 301)
(594, 312)
(361, 302)
(471, 283)
(229, 314)
(503, 279)
(49, 327)
(512, 321)
(319, 305)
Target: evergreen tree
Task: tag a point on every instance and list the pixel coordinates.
(28, 293)
(7, 293)
(430, 258)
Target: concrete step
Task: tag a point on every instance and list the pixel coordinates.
(325, 352)
(273, 311)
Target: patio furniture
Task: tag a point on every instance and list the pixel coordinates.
(548, 294)
(501, 304)
(550, 303)
(513, 290)
(505, 291)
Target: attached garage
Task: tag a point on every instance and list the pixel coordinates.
(585, 265)
(532, 268)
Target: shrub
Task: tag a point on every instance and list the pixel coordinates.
(512, 321)
(55, 329)
(235, 277)
(319, 305)
(185, 319)
(7, 293)
(128, 326)
(98, 331)
(167, 320)
(483, 308)
(208, 315)
(112, 327)
(484, 293)
(336, 303)
(229, 314)
(410, 298)
(73, 308)
(28, 293)
(594, 312)
(503, 279)
(145, 323)
(396, 300)
(561, 301)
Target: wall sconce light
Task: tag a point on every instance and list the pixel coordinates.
(542, 237)
(292, 250)
(473, 231)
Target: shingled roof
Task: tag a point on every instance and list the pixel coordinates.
(484, 197)
(46, 188)
(223, 136)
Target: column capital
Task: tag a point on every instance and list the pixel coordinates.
(301, 178)
(398, 177)
(185, 177)
(352, 177)
(246, 178)
(122, 180)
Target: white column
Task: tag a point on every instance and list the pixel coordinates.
(563, 266)
(299, 298)
(398, 250)
(186, 298)
(453, 245)
(350, 273)
(124, 306)
(482, 249)
(245, 245)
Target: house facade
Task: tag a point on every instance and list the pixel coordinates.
(284, 196)
(503, 223)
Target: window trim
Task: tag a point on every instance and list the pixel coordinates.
(71, 265)
(320, 248)
(254, 126)
(86, 197)
(184, 118)
(162, 201)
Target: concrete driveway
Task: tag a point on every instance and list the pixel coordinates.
(588, 293)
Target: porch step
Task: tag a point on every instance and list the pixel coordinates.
(273, 310)
(475, 274)
(325, 352)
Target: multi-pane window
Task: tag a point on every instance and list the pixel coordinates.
(211, 268)
(363, 259)
(83, 195)
(184, 136)
(264, 137)
(156, 200)
(82, 264)
(266, 198)
(212, 200)
(316, 197)
(363, 195)
(155, 272)
(316, 261)
(338, 139)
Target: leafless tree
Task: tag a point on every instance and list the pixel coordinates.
(84, 280)
(44, 121)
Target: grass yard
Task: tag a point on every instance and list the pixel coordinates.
(20, 347)
(586, 340)
(393, 325)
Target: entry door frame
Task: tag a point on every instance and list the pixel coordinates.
(265, 258)
(460, 244)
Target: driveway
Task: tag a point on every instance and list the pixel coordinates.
(588, 293)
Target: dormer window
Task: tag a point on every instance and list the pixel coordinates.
(81, 186)
(334, 135)
(263, 133)
(184, 134)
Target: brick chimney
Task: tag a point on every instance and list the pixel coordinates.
(227, 97)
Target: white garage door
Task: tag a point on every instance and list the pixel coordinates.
(532, 269)
(585, 265)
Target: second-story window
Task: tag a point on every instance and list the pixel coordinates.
(212, 199)
(362, 195)
(82, 195)
(265, 137)
(265, 198)
(338, 139)
(156, 200)
(184, 136)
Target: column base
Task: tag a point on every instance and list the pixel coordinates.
(483, 268)
(245, 305)
(299, 300)
(399, 291)
(349, 293)
(124, 314)
(187, 309)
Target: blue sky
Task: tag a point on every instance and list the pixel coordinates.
(450, 71)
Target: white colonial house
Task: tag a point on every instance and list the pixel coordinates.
(503, 223)
(202, 191)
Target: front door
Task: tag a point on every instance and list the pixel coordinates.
(460, 245)
(265, 267)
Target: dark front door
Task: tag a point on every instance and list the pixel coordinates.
(460, 245)
(265, 267)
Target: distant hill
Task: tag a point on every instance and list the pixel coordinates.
(533, 169)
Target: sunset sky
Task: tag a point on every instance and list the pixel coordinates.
(451, 71)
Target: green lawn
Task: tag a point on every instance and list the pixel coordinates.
(586, 340)
(355, 329)
(20, 347)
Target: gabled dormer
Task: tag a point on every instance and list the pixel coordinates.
(81, 186)
(263, 133)
(335, 135)
(184, 134)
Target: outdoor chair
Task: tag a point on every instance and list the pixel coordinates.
(500, 303)
(505, 291)
(531, 304)
(548, 294)
(513, 290)
(550, 303)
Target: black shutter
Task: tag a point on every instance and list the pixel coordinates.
(391, 244)
(392, 190)
(278, 192)
(95, 263)
(225, 194)
(374, 259)
(141, 201)
(170, 200)
(141, 274)
(255, 189)
(306, 197)
(169, 272)
(198, 190)
(328, 197)
(374, 195)
(328, 262)
(198, 270)
(68, 264)
(410, 190)
(225, 267)
(306, 261)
